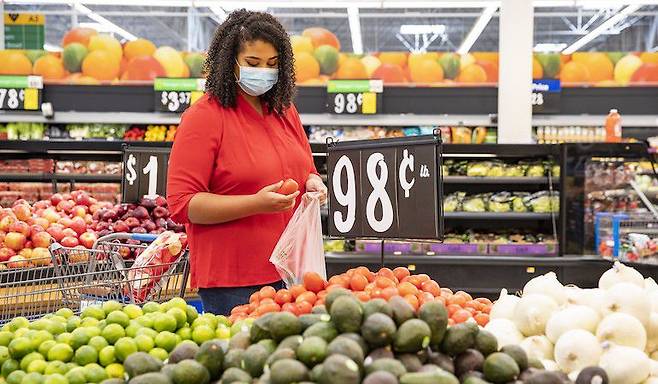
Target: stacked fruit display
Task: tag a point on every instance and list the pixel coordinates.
(366, 285)
(149, 216)
(90, 58)
(26, 230)
(614, 326)
(103, 342)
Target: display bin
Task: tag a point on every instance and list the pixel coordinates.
(545, 249)
(627, 237)
(455, 248)
(390, 247)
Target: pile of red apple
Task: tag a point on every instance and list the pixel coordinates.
(149, 216)
(27, 230)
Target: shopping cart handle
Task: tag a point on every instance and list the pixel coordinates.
(143, 237)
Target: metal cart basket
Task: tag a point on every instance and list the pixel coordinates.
(91, 276)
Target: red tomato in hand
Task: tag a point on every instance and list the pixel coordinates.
(289, 186)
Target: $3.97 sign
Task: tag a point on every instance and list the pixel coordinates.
(20, 93)
(144, 173)
(388, 188)
(176, 95)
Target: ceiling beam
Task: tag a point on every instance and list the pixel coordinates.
(478, 27)
(602, 28)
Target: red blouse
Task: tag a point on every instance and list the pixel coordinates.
(234, 151)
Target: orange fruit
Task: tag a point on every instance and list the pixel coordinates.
(417, 58)
(370, 62)
(358, 282)
(599, 66)
(491, 69)
(100, 65)
(351, 68)
(321, 36)
(472, 73)
(267, 292)
(313, 282)
(401, 272)
(307, 296)
(398, 58)
(297, 290)
(144, 68)
(50, 67)
(301, 44)
(649, 57)
(14, 62)
(426, 71)
(139, 47)
(78, 35)
(626, 67)
(106, 43)
(537, 69)
(171, 61)
(389, 73)
(486, 56)
(574, 72)
(647, 73)
(306, 67)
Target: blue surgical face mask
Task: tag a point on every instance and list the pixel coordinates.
(256, 81)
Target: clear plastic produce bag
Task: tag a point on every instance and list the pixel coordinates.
(300, 248)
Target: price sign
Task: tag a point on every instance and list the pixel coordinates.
(24, 30)
(175, 95)
(144, 173)
(546, 96)
(20, 93)
(389, 188)
(354, 97)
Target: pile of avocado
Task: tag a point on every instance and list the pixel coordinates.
(346, 341)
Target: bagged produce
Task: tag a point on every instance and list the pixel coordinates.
(300, 248)
(154, 262)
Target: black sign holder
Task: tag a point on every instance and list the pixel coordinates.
(133, 192)
(428, 151)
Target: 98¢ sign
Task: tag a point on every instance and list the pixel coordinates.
(389, 188)
(144, 173)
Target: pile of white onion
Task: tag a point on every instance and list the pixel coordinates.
(614, 326)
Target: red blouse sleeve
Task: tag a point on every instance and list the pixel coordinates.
(294, 117)
(192, 158)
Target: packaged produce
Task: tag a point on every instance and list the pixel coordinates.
(514, 170)
(478, 169)
(452, 202)
(535, 169)
(153, 263)
(461, 135)
(501, 202)
(25, 131)
(475, 203)
(542, 202)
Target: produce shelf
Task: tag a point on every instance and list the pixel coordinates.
(498, 180)
(499, 216)
(47, 177)
(77, 146)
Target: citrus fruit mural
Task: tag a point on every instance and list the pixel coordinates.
(89, 57)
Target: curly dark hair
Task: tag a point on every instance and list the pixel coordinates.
(243, 26)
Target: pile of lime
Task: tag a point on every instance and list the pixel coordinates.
(93, 347)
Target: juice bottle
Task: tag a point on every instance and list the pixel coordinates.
(613, 127)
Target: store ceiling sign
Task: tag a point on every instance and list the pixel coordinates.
(144, 173)
(354, 97)
(20, 93)
(546, 96)
(24, 30)
(386, 189)
(176, 95)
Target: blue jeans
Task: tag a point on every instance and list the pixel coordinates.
(220, 301)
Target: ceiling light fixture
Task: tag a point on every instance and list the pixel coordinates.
(355, 29)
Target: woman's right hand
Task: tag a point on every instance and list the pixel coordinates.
(269, 201)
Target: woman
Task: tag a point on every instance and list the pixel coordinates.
(233, 149)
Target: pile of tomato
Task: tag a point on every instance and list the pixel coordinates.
(366, 285)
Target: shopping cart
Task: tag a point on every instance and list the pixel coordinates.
(92, 276)
(28, 288)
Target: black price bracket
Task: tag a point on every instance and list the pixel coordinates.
(545, 96)
(144, 173)
(20, 93)
(386, 189)
(176, 95)
(354, 97)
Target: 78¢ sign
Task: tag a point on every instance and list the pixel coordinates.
(387, 188)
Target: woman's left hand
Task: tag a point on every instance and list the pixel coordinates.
(314, 184)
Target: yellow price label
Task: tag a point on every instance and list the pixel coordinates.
(411, 267)
(530, 269)
(369, 103)
(194, 96)
(24, 18)
(31, 100)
